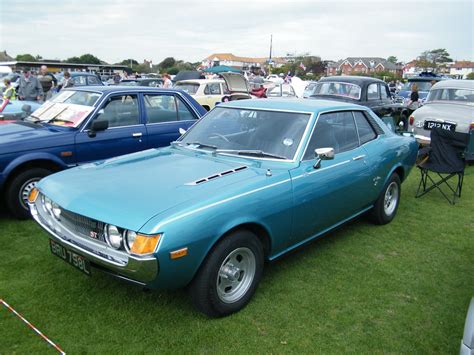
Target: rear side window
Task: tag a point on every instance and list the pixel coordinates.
(93, 80)
(160, 108)
(183, 111)
(373, 92)
(365, 130)
(384, 92)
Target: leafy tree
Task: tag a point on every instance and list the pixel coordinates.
(470, 76)
(84, 59)
(392, 59)
(25, 58)
(435, 57)
(128, 61)
(167, 63)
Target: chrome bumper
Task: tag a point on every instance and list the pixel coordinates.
(141, 270)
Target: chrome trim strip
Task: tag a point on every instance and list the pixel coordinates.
(321, 169)
(216, 175)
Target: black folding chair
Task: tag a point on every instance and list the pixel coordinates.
(444, 162)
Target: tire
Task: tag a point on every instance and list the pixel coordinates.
(20, 186)
(384, 209)
(220, 287)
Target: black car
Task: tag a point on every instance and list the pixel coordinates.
(365, 91)
(80, 79)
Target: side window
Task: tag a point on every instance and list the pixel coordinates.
(333, 130)
(121, 110)
(93, 80)
(212, 89)
(373, 92)
(183, 111)
(366, 132)
(383, 92)
(160, 108)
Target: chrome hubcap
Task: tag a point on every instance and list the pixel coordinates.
(391, 198)
(25, 191)
(236, 275)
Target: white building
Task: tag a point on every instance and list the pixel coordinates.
(461, 69)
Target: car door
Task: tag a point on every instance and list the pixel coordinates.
(213, 94)
(165, 115)
(337, 190)
(126, 132)
(373, 98)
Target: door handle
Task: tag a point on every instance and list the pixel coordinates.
(136, 135)
(359, 157)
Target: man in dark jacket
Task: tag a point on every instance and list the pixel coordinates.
(30, 88)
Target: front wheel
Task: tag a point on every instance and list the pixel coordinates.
(229, 275)
(386, 205)
(19, 189)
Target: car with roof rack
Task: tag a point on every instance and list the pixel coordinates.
(86, 124)
(249, 182)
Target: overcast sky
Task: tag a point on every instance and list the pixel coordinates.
(114, 30)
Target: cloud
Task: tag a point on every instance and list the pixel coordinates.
(191, 30)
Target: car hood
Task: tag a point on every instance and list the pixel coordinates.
(236, 82)
(128, 191)
(20, 136)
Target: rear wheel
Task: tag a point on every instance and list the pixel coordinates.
(19, 189)
(229, 276)
(386, 206)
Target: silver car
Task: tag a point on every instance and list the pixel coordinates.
(449, 105)
(467, 342)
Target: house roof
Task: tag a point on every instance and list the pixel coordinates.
(4, 57)
(370, 62)
(462, 64)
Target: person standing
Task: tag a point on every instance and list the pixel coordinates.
(30, 88)
(167, 83)
(9, 94)
(68, 82)
(414, 97)
(47, 81)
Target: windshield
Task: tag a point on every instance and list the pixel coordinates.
(67, 108)
(249, 132)
(422, 85)
(190, 88)
(458, 95)
(281, 90)
(351, 91)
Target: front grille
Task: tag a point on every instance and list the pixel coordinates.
(82, 226)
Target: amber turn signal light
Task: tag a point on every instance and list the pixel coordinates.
(178, 253)
(33, 195)
(145, 244)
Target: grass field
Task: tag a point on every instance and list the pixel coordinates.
(400, 288)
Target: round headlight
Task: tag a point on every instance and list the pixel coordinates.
(130, 237)
(56, 210)
(113, 236)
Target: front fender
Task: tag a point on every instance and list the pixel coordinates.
(29, 157)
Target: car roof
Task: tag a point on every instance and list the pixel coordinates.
(301, 105)
(350, 79)
(454, 84)
(120, 88)
(201, 81)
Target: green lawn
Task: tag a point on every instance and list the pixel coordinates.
(401, 288)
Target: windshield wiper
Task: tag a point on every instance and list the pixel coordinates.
(202, 145)
(256, 152)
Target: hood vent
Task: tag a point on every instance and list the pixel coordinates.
(216, 176)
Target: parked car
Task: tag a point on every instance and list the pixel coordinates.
(86, 124)
(152, 82)
(366, 91)
(450, 106)
(80, 79)
(275, 78)
(249, 182)
(423, 81)
(14, 80)
(209, 92)
(467, 342)
(17, 110)
(281, 91)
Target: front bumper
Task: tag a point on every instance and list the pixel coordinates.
(139, 270)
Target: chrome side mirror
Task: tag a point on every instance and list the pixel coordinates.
(322, 154)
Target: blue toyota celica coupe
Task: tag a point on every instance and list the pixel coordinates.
(246, 183)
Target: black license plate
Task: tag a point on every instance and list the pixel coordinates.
(443, 125)
(76, 260)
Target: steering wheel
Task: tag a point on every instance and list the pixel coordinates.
(221, 136)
